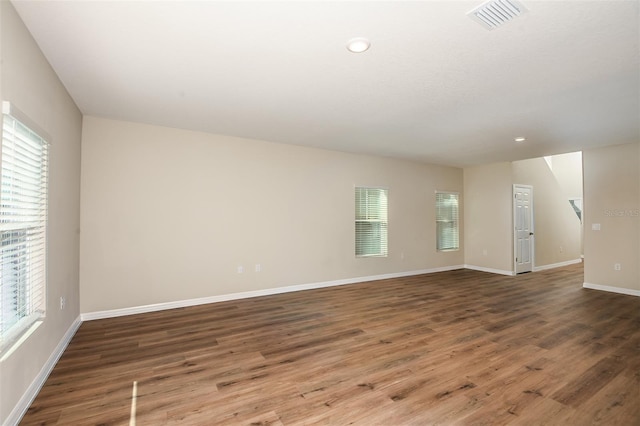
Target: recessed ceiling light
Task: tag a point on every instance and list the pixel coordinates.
(520, 139)
(358, 45)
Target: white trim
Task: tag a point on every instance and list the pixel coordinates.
(611, 289)
(10, 109)
(512, 273)
(18, 333)
(490, 270)
(32, 391)
(556, 265)
(112, 313)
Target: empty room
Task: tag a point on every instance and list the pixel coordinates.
(320, 213)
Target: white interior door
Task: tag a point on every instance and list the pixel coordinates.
(523, 233)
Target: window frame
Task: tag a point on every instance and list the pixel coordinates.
(382, 233)
(30, 309)
(455, 221)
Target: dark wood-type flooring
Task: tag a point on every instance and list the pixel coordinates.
(460, 347)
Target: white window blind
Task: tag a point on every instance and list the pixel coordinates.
(371, 222)
(447, 231)
(23, 221)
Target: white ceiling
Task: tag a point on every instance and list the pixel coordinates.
(435, 86)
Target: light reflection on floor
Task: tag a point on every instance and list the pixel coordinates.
(134, 397)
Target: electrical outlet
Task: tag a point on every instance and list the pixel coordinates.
(617, 267)
(258, 267)
(240, 269)
(62, 302)
(561, 250)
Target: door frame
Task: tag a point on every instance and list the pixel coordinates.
(513, 229)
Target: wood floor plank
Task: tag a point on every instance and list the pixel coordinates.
(451, 348)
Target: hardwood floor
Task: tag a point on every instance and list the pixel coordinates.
(460, 347)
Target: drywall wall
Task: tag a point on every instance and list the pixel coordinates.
(567, 168)
(170, 215)
(29, 83)
(488, 237)
(557, 228)
(612, 201)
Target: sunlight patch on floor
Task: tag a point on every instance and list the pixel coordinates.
(134, 398)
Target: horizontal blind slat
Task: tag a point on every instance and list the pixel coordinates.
(447, 229)
(371, 221)
(23, 217)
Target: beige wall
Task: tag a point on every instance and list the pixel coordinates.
(31, 85)
(488, 238)
(567, 168)
(612, 199)
(556, 226)
(568, 172)
(488, 214)
(169, 215)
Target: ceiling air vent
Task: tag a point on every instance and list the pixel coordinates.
(494, 13)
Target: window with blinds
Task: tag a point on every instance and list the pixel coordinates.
(447, 231)
(23, 222)
(371, 222)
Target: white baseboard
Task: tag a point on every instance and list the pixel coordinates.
(535, 268)
(556, 265)
(611, 289)
(32, 391)
(490, 270)
(112, 313)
